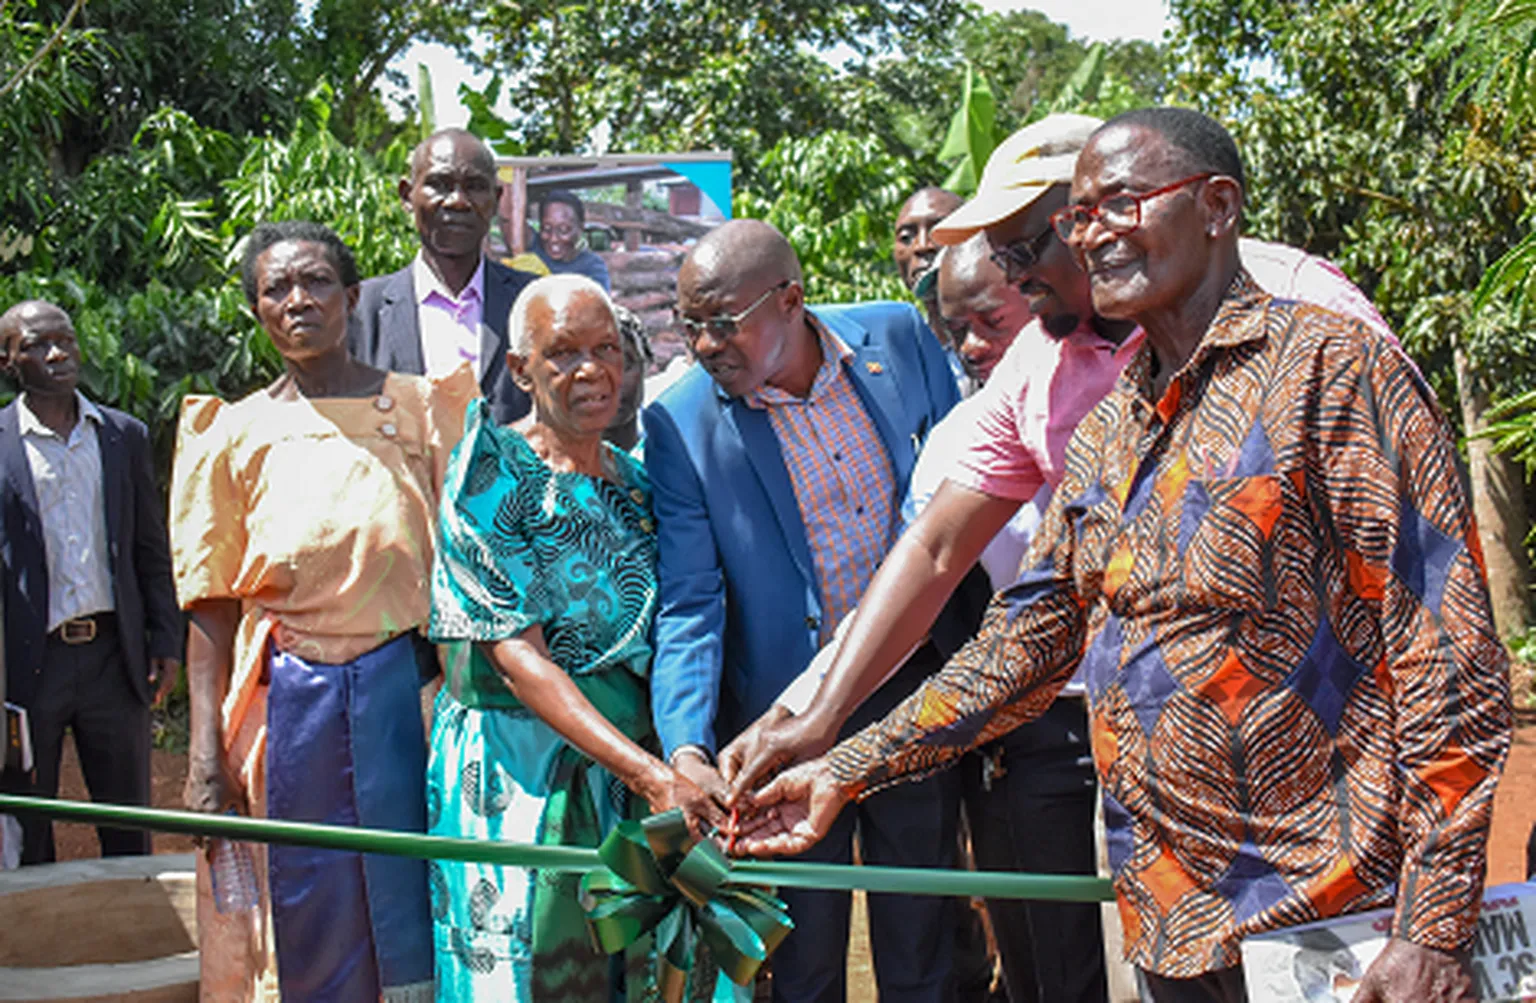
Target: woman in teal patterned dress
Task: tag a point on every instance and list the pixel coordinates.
(543, 590)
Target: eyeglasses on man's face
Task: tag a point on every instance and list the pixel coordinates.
(1017, 256)
(1119, 213)
(722, 327)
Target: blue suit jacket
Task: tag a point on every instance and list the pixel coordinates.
(148, 620)
(740, 609)
(385, 332)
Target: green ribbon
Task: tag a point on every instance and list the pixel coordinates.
(658, 879)
(779, 873)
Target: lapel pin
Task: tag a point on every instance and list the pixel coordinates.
(874, 367)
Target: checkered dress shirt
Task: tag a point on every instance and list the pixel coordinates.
(844, 485)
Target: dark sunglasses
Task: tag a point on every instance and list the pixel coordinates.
(1020, 255)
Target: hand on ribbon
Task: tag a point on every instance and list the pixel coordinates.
(659, 880)
(792, 813)
(775, 741)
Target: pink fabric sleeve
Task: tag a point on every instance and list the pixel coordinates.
(1290, 273)
(992, 456)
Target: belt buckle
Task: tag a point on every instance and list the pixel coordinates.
(81, 630)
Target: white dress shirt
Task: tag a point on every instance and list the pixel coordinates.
(71, 501)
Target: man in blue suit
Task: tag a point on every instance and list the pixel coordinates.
(93, 634)
(778, 465)
(450, 304)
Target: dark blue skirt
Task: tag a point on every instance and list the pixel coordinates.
(345, 746)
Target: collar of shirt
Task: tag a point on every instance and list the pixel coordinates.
(833, 354)
(430, 288)
(28, 423)
(1086, 339)
(1237, 322)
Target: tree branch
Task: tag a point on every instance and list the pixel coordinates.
(1391, 200)
(41, 54)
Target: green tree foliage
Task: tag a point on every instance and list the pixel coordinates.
(43, 81)
(1496, 43)
(240, 66)
(144, 252)
(1028, 62)
(1360, 146)
(972, 135)
(685, 74)
(836, 193)
(835, 196)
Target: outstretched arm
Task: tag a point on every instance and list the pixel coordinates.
(544, 688)
(1028, 647)
(690, 615)
(895, 614)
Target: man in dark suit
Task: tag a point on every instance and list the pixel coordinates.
(778, 464)
(450, 304)
(93, 635)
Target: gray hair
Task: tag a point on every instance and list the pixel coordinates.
(554, 290)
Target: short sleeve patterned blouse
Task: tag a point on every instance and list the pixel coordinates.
(521, 545)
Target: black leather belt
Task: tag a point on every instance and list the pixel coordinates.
(84, 629)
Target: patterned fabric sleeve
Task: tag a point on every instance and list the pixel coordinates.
(484, 579)
(1410, 543)
(207, 526)
(1030, 643)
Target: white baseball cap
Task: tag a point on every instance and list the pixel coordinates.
(1019, 171)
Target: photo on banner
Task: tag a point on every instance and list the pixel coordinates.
(642, 213)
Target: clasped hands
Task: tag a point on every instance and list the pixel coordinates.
(775, 793)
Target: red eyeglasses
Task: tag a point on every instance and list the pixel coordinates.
(1119, 213)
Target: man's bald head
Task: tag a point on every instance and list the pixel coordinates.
(966, 268)
(737, 254)
(742, 309)
(981, 311)
(466, 145)
(38, 349)
(29, 313)
(451, 193)
(942, 199)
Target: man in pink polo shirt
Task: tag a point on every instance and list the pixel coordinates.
(1013, 451)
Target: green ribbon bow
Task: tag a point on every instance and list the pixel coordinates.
(656, 881)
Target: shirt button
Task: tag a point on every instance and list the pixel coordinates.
(646, 525)
(636, 495)
(384, 402)
(860, 510)
(387, 429)
(813, 623)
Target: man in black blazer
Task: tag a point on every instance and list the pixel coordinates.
(451, 303)
(93, 635)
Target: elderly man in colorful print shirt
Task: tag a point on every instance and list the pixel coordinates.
(1262, 556)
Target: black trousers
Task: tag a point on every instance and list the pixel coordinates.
(84, 689)
(1036, 816)
(911, 937)
(1222, 986)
